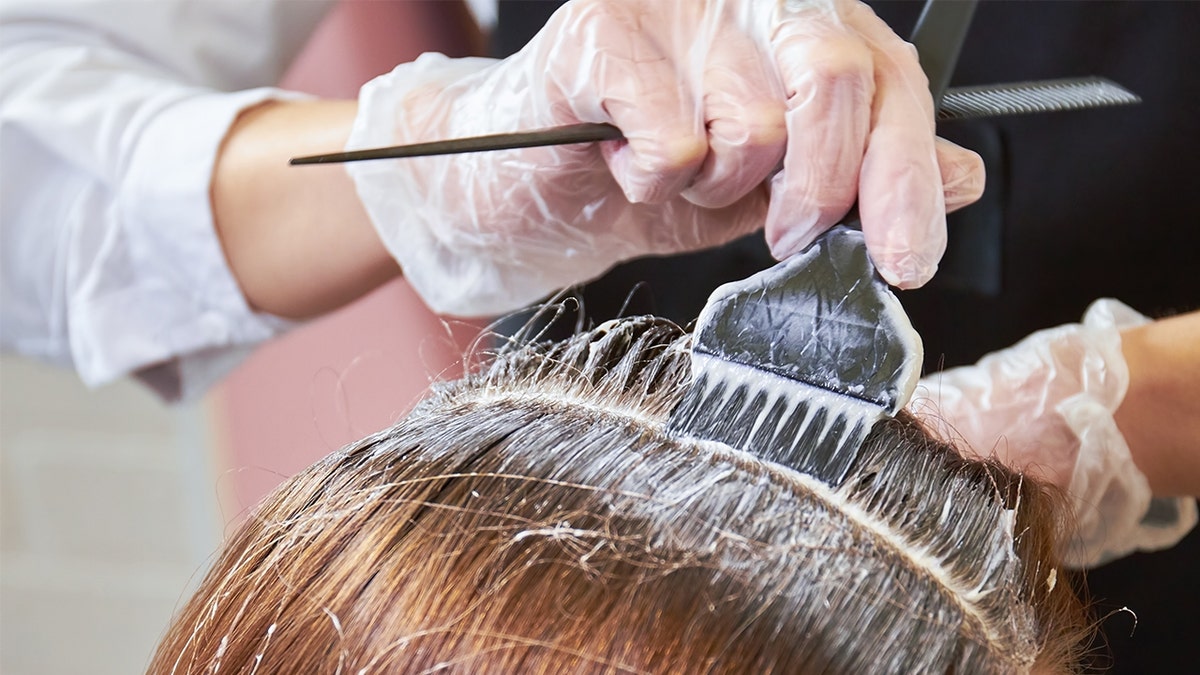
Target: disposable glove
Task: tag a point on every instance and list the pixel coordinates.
(1045, 407)
(713, 98)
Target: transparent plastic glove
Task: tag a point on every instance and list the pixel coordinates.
(1045, 407)
(712, 96)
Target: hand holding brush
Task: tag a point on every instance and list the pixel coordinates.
(711, 99)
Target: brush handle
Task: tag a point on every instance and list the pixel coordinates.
(938, 37)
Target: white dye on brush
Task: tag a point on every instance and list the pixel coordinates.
(796, 363)
(807, 428)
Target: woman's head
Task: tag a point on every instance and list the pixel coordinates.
(536, 518)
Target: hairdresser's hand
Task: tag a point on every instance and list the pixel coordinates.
(1051, 406)
(712, 97)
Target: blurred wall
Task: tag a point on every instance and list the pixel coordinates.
(108, 512)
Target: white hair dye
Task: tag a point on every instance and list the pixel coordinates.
(951, 532)
(908, 565)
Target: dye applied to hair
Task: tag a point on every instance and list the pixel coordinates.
(537, 518)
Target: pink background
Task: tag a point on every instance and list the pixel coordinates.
(358, 370)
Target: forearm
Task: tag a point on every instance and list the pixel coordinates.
(1160, 415)
(297, 238)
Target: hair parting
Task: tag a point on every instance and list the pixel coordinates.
(536, 517)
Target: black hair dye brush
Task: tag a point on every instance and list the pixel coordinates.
(798, 362)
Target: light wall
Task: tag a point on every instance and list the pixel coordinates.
(109, 506)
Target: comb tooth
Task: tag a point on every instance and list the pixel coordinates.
(686, 415)
(821, 438)
(768, 424)
(787, 428)
(712, 391)
(835, 451)
(715, 389)
(747, 418)
(695, 414)
(782, 447)
(732, 412)
(810, 437)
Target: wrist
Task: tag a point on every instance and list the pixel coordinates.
(1160, 414)
(296, 238)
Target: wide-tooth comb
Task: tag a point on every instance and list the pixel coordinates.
(796, 363)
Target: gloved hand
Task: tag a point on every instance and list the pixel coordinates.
(1045, 407)
(712, 97)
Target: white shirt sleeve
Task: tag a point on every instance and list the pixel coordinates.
(111, 115)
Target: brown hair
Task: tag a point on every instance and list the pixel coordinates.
(535, 518)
